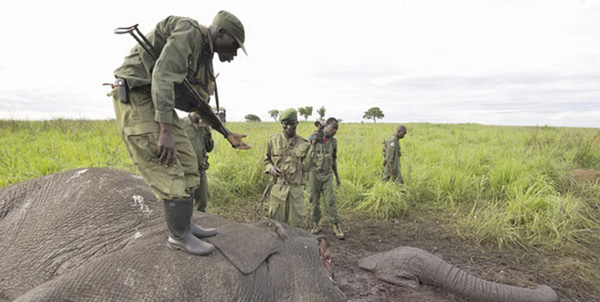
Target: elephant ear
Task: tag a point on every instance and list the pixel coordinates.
(246, 248)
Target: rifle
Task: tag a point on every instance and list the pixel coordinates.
(188, 99)
(267, 190)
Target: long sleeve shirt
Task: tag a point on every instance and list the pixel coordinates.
(184, 48)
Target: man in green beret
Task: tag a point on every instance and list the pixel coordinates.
(391, 156)
(145, 99)
(320, 179)
(287, 161)
(201, 138)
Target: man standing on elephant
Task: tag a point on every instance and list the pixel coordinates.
(287, 161)
(320, 178)
(145, 101)
(391, 156)
(201, 138)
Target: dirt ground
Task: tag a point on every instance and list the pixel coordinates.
(368, 236)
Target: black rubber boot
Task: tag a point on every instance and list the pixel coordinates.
(201, 232)
(178, 214)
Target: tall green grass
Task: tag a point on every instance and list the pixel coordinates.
(503, 186)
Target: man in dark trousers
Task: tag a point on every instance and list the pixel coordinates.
(391, 156)
(201, 139)
(320, 179)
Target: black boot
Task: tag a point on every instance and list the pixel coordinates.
(178, 214)
(201, 232)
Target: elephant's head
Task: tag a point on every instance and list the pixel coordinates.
(99, 235)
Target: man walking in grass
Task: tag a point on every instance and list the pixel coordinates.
(286, 160)
(391, 156)
(201, 138)
(320, 178)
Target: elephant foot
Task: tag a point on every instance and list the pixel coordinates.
(201, 232)
(190, 244)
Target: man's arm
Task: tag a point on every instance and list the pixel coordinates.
(171, 68)
(268, 165)
(390, 154)
(334, 164)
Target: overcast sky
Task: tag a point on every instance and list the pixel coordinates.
(504, 62)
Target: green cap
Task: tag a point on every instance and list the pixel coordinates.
(289, 115)
(232, 25)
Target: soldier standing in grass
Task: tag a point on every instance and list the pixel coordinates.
(201, 138)
(144, 103)
(391, 156)
(287, 161)
(320, 178)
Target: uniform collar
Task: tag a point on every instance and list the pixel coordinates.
(210, 42)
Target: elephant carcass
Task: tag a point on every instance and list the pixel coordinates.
(99, 235)
(409, 266)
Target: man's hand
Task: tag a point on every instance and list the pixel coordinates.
(385, 162)
(236, 140)
(275, 171)
(338, 183)
(205, 126)
(165, 149)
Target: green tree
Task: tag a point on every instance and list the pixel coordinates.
(252, 118)
(373, 113)
(321, 113)
(274, 114)
(305, 111)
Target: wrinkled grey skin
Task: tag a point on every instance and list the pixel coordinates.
(409, 266)
(99, 235)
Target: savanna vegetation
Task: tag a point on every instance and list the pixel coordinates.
(500, 187)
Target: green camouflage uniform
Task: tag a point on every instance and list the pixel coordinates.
(391, 153)
(185, 51)
(320, 179)
(203, 143)
(286, 201)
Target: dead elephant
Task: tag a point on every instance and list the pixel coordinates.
(98, 235)
(409, 266)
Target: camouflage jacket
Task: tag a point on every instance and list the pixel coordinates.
(391, 152)
(323, 155)
(290, 155)
(186, 51)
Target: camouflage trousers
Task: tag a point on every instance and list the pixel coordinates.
(140, 132)
(286, 204)
(200, 194)
(322, 184)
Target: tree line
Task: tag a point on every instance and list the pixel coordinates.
(373, 113)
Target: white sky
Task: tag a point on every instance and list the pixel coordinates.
(504, 62)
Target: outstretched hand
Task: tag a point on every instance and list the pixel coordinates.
(236, 140)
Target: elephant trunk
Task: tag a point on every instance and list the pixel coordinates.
(408, 266)
(436, 271)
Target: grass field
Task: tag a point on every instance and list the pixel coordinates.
(506, 187)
